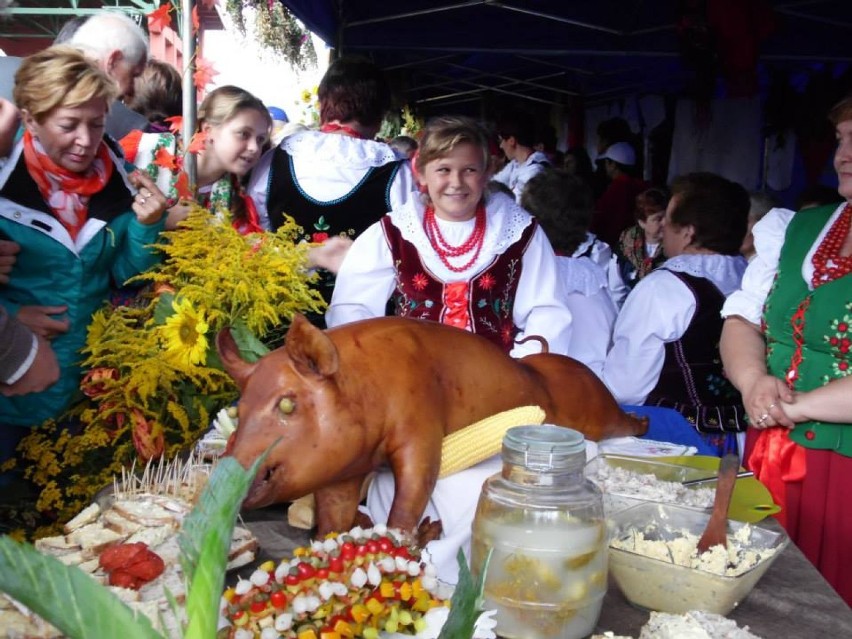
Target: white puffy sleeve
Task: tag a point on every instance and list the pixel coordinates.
(656, 312)
(365, 281)
(769, 236)
(539, 307)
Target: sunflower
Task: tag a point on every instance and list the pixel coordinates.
(184, 333)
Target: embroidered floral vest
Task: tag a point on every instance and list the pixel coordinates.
(348, 216)
(482, 305)
(692, 381)
(809, 333)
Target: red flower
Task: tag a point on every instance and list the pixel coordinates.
(833, 341)
(319, 237)
(204, 73)
(147, 436)
(197, 142)
(843, 366)
(455, 305)
(175, 123)
(506, 335)
(487, 282)
(164, 158)
(94, 382)
(842, 327)
(420, 281)
(159, 19)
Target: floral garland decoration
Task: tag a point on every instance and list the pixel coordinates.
(154, 378)
(276, 29)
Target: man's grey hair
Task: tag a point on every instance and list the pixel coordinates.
(109, 31)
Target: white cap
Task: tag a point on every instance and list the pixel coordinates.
(620, 152)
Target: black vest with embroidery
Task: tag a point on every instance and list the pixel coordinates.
(420, 294)
(692, 380)
(349, 215)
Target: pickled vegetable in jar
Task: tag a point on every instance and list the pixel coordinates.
(544, 526)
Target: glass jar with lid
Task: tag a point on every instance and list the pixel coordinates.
(543, 524)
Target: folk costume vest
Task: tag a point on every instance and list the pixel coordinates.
(809, 332)
(484, 304)
(348, 216)
(692, 381)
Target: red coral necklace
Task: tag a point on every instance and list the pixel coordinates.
(829, 265)
(446, 250)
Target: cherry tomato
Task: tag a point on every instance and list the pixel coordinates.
(306, 571)
(385, 544)
(322, 573)
(335, 564)
(372, 547)
(292, 580)
(278, 599)
(258, 607)
(361, 550)
(347, 551)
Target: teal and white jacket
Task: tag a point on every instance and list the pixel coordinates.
(54, 270)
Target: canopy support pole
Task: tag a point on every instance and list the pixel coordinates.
(189, 94)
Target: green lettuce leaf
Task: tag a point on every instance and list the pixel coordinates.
(67, 597)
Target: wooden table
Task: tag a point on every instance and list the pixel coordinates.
(792, 600)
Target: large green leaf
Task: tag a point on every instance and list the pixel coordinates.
(466, 603)
(67, 597)
(205, 539)
(251, 348)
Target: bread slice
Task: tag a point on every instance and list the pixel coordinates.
(86, 516)
(94, 537)
(56, 546)
(146, 512)
(113, 520)
(152, 536)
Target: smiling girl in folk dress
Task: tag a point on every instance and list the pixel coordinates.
(455, 257)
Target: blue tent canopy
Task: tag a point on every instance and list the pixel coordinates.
(445, 52)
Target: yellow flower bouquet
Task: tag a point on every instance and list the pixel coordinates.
(153, 377)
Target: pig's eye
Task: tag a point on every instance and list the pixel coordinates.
(286, 405)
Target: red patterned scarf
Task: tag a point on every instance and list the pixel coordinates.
(66, 192)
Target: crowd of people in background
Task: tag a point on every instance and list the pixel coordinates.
(477, 224)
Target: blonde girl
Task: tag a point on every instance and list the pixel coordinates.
(234, 126)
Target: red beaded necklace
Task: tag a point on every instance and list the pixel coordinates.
(336, 127)
(829, 265)
(446, 250)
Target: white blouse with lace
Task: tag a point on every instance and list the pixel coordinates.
(769, 236)
(367, 277)
(592, 310)
(328, 166)
(656, 312)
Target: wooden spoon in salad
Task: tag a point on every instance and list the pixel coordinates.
(716, 532)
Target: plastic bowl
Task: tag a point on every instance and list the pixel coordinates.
(751, 501)
(654, 584)
(617, 499)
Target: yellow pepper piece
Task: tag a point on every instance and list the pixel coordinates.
(329, 634)
(375, 606)
(359, 613)
(307, 634)
(386, 589)
(405, 591)
(344, 628)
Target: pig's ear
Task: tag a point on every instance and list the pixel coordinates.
(312, 352)
(233, 362)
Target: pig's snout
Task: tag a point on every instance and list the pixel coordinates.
(261, 492)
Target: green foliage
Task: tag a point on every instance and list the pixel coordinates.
(466, 604)
(82, 608)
